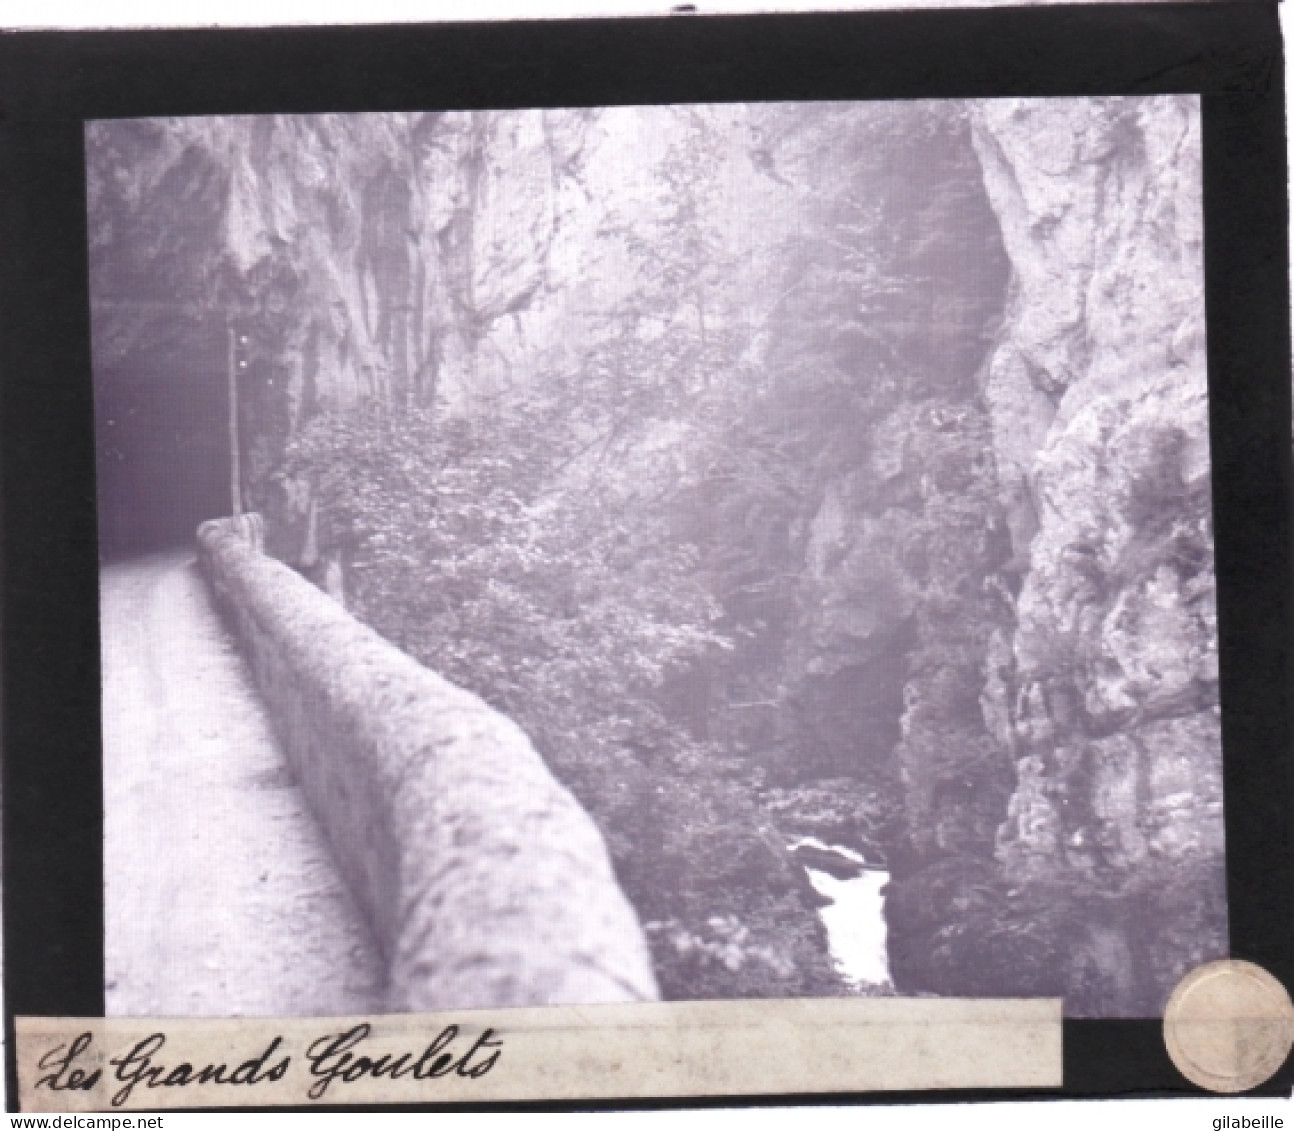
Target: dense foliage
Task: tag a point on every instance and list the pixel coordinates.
(625, 551)
(552, 606)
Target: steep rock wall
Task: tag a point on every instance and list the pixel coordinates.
(1105, 690)
(384, 258)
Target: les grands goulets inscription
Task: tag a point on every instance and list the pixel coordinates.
(332, 1058)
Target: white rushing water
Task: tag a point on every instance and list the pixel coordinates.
(855, 920)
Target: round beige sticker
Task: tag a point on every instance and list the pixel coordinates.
(1229, 1025)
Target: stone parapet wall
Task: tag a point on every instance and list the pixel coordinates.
(485, 881)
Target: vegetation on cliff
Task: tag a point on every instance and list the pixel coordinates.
(625, 552)
(832, 470)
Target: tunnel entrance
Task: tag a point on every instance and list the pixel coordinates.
(158, 331)
(162, 444)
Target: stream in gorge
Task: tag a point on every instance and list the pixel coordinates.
(855, 917)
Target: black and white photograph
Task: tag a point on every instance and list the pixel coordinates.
(629, 553)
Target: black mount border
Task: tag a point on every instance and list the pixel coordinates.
(1230, 53)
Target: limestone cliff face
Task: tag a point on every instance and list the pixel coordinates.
(1105, 689)
(388, 258)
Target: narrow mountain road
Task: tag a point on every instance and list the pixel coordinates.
(221, 896)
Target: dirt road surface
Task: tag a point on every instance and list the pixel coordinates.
(221, 896)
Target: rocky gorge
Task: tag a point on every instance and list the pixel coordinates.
(824, 470)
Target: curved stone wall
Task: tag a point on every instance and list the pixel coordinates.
(486, 883)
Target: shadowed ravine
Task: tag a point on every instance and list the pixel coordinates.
(221, 895)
